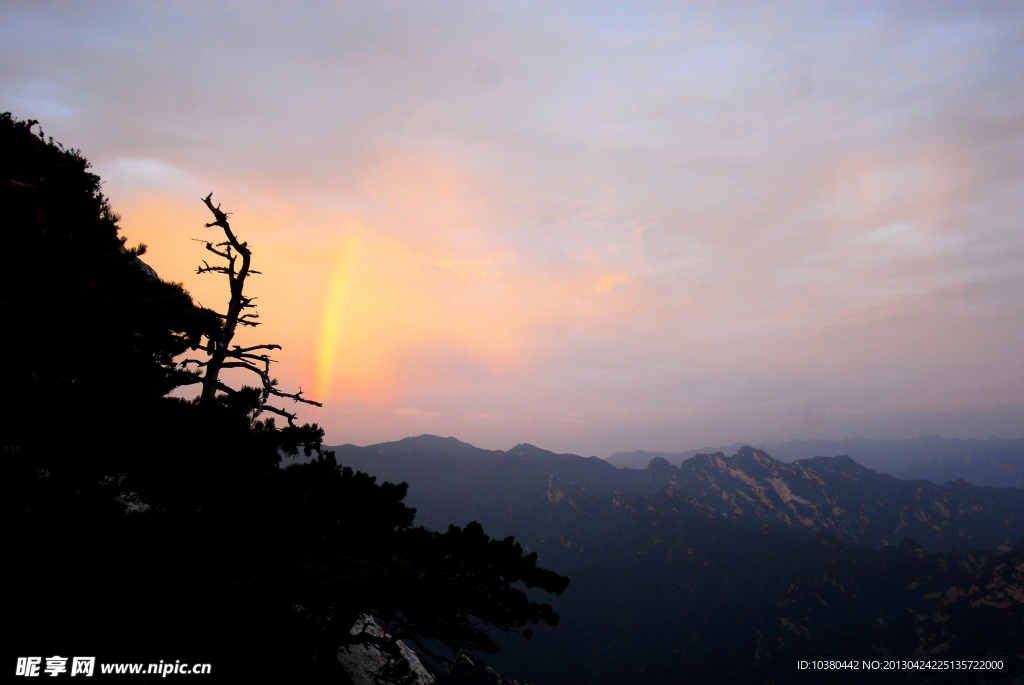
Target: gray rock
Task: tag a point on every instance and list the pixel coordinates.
(367, 664)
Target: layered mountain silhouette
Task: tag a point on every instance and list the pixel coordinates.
(856, 504)
(731, 568)
(453, 482)
(995, 461)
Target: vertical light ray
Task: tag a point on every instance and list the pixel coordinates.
(333, 317)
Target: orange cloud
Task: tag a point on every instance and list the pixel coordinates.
(610, 281)
(392, 314)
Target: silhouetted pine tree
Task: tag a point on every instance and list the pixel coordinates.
(145, 527)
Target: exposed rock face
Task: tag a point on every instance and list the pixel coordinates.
(989, 595)
(513, 492)
(366, 664)
(668, 588)
(909, 603)
(994, 461)
(141, 265)
(839, 496)
(467, 671)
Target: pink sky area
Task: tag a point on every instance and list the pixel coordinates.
(626, 227)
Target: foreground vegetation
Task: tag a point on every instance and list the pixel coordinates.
(147, 527)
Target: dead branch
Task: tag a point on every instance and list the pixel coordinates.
(256, 347)
(254, 357)
(297, 397)
(242, 365)
(281, 412)
(211, 248)
(17, 184)
(219, 348)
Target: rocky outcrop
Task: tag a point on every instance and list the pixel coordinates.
(516, 491)
(467, 671)
(856, 504)
(367, 664)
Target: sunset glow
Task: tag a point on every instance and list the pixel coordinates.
(591, 231)
(334, 318)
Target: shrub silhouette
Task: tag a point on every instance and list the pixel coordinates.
(148, 527)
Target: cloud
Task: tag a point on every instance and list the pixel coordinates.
(659, 227)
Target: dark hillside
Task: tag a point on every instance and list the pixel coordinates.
(150, 527)
(834, 494)
(729, 569)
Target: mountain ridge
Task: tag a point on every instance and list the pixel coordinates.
(992, 461)
(732, 598)
(451, 480)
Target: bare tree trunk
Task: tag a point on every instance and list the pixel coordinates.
(218, 349)
(221, 354)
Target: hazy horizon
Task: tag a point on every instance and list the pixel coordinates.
(691, 448)
(594, 229)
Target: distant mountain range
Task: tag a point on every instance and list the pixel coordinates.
(995, 461)
(453, 482)
(856, 504)
(730, 568)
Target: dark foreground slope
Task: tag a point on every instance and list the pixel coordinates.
(731, 568)
(661, 594)
(142, 527)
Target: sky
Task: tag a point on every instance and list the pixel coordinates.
(591, 227)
